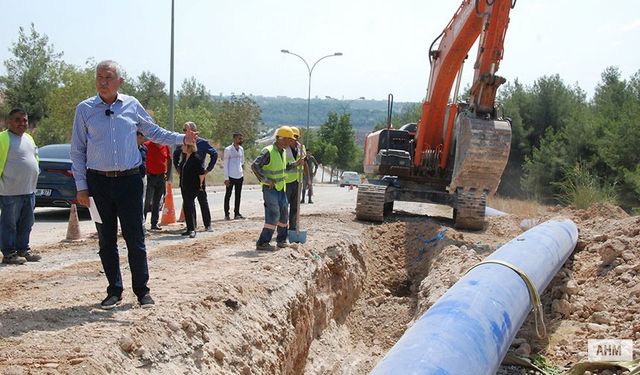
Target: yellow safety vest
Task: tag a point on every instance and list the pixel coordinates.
(275, 170)
(296, 174)
(5, 142)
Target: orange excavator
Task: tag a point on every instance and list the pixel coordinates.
(456, 152)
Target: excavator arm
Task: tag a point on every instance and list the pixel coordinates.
(474, 18)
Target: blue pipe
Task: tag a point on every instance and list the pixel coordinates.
(469, 329)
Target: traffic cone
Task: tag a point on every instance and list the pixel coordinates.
(168, 211)
(181, 218)
(73, 229)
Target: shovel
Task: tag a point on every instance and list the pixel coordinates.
(298, 236)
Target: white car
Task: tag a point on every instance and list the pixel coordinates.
(349, 178)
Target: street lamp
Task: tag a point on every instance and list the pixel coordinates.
(345, 106)
(310, 70)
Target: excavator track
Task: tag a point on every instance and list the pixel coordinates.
(469, 209)
(371, 203)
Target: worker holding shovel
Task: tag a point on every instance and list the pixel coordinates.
(270, 168)
(293, 178)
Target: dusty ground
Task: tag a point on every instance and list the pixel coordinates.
(334, 305)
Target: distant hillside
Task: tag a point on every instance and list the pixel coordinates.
(365, 114)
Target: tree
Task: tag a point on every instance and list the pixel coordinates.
(76, 85)
(193, 93)
(150, 91)
(31, 74)
(237, 114)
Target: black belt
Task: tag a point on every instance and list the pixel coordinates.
(128, 172)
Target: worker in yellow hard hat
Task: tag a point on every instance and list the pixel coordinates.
(293, 177)
(270, 168)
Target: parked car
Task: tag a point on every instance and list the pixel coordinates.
(56, 186)
(349, 178)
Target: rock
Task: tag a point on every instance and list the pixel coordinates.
(173, 325)
(571, 287)
(599, 306)
(562, 307)
(628, 256)
(76, 361)
(524, 350)
(601, 317)
(246, 370)
(595, 328)
(126, 344)
(527, 224)
(218, 355)
(610, 250)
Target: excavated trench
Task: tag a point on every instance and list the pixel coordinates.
(336, 312)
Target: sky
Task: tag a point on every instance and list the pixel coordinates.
(233, 46)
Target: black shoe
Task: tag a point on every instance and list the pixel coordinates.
(264, 247)
(192, 234)
(282, 245)
(186, 233)
(310, 201)
(208, 229)
(110, 302)
(13, 258)
(302, 201)
(238, 216)
(146, 301)
(226, 217)
(29, 256)
(156, 227)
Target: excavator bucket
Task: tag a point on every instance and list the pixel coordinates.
(482, 152)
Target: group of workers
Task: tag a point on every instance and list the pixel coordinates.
(111, 136)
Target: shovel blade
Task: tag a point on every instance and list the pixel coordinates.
(297, 236)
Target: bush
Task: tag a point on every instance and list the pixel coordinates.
(582, 189)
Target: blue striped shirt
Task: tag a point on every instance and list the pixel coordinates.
(104, 136)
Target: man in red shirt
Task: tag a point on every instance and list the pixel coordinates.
(158, 166)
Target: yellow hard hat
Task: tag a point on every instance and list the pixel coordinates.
(296, 132)
(284, 132)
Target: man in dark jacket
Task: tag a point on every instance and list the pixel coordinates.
(203, 149)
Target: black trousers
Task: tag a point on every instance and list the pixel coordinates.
(204, 206)
(237, 184)
(156, 186)
(120, 199)
(189, 207)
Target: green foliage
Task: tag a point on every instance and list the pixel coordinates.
(76, 85)
(541, 362)
(408, 114)
(581, 189)
(544, 166)
(337, 146)
(150, 91)
(31, 74)
(237, 114)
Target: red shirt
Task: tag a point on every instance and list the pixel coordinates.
(158, 158)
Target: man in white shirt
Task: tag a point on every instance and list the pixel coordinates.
(233, 174)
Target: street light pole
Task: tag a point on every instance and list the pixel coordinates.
(171, 96)
(310, 70)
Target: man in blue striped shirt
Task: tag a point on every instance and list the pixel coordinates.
(106, 162)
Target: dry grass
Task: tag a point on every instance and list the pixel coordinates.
(518, 207)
